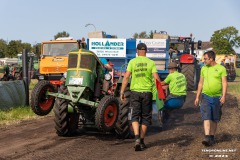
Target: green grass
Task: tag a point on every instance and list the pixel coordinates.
(16, 114)
(32, 84)
(234, 87)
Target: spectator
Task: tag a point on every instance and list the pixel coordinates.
(222, 62)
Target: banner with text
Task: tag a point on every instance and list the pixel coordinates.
(156, 48)
(108, 47)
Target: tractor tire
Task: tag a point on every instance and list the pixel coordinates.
(66, 124)
(191, 73)
(107, 113)
(123, 128)
(42, 104)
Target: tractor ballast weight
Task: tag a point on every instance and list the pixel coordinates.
(81, 100)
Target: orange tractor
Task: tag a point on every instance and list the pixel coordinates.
(53, 64)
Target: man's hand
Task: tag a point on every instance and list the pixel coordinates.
(196, 102)
(122, 97)
(222, 100)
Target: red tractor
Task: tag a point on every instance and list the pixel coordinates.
(186, 60)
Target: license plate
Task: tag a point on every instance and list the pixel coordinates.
(76, 81)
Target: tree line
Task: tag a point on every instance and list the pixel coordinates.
(223, 42)
(12, 48)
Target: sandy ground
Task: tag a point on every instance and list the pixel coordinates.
(180, 139)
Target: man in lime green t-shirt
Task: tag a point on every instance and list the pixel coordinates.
(177, 82)
(142, 70)
(213, 85)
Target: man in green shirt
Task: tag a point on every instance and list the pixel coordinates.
(142, 70)
(177, 88)
(213, 86)
(177, 82)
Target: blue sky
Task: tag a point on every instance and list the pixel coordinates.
(34, 21)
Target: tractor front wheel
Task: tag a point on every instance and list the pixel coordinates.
(107, 113)
(41, 103)
(66, 123)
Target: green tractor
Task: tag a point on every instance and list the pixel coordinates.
(6, 72)
(88, 98)
(17, 70)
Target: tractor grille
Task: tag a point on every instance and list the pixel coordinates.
(86, 62)
(72, 60)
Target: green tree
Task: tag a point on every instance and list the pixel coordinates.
(140, 35)
(26, 46)
(3, 48)
(225, 39)
(144, 34)
(37, 49)
(151, 33)
(13, 48)
(61, 34)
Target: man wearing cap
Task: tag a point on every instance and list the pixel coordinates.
(142, 70)
(177, 82)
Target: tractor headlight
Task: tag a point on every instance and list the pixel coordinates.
(65, 75)
(108, 77)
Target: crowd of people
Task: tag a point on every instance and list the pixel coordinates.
(228, 63)
(142, 73)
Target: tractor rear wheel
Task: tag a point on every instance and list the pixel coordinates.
(123, 126)
(107, 113)
(41, 103)
(66, 124)
(191, 73)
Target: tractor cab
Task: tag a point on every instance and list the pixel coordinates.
(54, 58)
(86, 70)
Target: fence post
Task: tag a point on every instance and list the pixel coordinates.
(25, 74)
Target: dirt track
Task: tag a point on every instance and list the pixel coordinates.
(181, 139)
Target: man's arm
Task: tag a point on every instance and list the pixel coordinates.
(108, 67)
(124, 84)
(224, 89)
(163, 83)
(200, 84)
(156, 76)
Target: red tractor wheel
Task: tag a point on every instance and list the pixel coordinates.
(41, 103)
(107, 113)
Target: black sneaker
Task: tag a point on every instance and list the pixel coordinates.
(212, 141)
(137, 145)
(207, 142)
(143, 146)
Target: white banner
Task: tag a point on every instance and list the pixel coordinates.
(156, 48)
(108, 47)
(153, 43)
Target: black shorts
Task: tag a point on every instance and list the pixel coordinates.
(141, 103)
